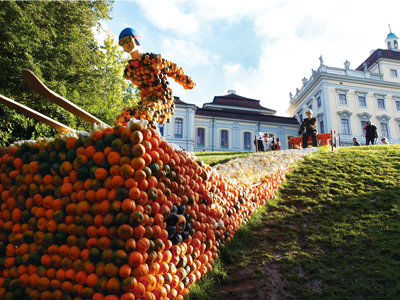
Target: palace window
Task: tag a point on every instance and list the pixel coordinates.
(398, 105)
(361, 101)
(342, 99)
(200, 137)
(384, 130)
(224, 139)
(363, 124)
(319, 101)
(178, 128)
(162, 129)
(321, 127)
(345, 126)
(247, 140)
(380, 101)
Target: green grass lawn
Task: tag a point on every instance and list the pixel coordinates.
(333, 233)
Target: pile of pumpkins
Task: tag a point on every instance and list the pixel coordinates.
(119, 214)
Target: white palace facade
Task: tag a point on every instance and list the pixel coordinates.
(344, 99)
(228, 123)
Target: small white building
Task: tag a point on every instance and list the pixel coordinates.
(228, 123)
(344, 99)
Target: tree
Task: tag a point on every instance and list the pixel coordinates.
(56, 40)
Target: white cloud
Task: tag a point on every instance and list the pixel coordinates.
(170, 15)
(188, 52)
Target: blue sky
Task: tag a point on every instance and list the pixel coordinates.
(261, 49)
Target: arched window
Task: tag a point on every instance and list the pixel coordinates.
(178, 128)
(384, 125)
(396, 45)
(384, 129)
(345, 125)
(388, 45)
(364, 118)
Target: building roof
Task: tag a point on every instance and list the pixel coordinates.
(228, 106)
(177, 100)
(245, 115)
(377, 54)
(236, 101)
(391, 34)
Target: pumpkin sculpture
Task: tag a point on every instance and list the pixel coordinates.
(117, 214)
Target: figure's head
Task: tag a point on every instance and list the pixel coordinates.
(129, 40)
(309, 112)
(354, 139)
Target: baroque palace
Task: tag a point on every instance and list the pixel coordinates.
(228, 123)
(344, 100)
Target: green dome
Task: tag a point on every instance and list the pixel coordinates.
(391, 34)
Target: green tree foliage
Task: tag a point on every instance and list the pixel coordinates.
(56, 40)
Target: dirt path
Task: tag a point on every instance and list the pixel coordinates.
(254, 281)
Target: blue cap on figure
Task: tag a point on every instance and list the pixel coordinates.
(130, 32)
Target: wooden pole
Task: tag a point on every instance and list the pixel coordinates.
(256, 142)
(334, 133)
(37, 85)
(332, 140)
(34, 114)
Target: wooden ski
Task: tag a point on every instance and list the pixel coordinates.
(34, 114)
(37, 85)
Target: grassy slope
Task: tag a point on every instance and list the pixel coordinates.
(334, 233)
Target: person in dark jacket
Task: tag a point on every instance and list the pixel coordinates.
(370, 133)
(309, 127)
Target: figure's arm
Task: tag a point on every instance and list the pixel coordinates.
(172, 70)
(301, 128)
(315, 123)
